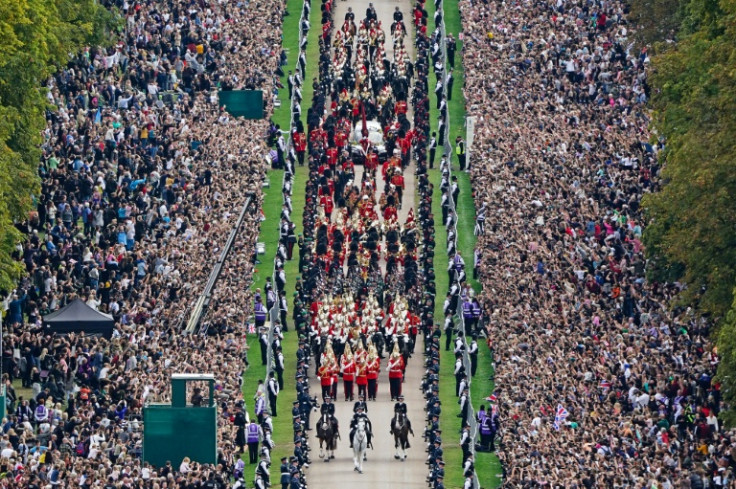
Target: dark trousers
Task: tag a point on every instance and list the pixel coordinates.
(284, 323)
(372, 388)
(361, 390)
(466, 453)
(253, 452)
(272, 404)
(264, 352)
(348, 387)
(432, 153)
(448, 339)
(395, 387)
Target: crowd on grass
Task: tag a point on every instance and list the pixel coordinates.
(601, 382)
(143, 177)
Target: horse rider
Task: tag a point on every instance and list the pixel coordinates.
(400, 405)
(327, 408)
(360, 403)
(399, 409)
(354, 425)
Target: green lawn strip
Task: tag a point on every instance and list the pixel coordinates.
(290, 42)
(456, 106)
(449, 423)
(487, 465)
(268, 234)
(433, 112)
(312, 62)
(466, 225)
(283, 432)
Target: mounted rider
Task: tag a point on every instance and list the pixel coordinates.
(401, 410)
(360, 415)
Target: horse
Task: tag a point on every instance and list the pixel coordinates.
(400, 429)
(327, 434)
(360, 446)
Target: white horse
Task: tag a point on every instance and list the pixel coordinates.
(360, 446)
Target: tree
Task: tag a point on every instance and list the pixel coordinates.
(37, 36)
(726, 340)
(692, 218)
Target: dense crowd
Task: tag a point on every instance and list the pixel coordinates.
(143, 178)
(600, 382)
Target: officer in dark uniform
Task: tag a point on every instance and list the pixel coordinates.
(400, 405)
(436, 451)
(240, 422)
(439, 484)
(296, 481)
(285, 474)
(301, 457)
(354, 424)
(305, 408)
(434, 408)
(295, 409)
(360, 403)
(437, 473)
(299, 436)
(370, 13)
(433, 430)
(327, 407)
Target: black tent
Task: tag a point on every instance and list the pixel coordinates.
(79, 317)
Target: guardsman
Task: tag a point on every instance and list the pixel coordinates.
(347, 366)
(395, 372)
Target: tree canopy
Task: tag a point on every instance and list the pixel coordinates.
(36, 37)
(691, 235)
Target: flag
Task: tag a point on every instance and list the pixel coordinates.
(492, 398)
(98, 116)
(251, 328)
(560, 416)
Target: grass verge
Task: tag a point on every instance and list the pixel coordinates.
(487, 464)
(290, 43)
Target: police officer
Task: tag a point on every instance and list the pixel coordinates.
(469, 467)
(400, 405)
(262, 470)
(360, 403)
(473, 352)
(327, 407)
(273, 392)
(465, 440)
(460, 151)
(464, 402)
(359, 414)
(259, 483)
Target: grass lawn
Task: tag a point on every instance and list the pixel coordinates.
(487, 464)
(283, 433)
(290, 42)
